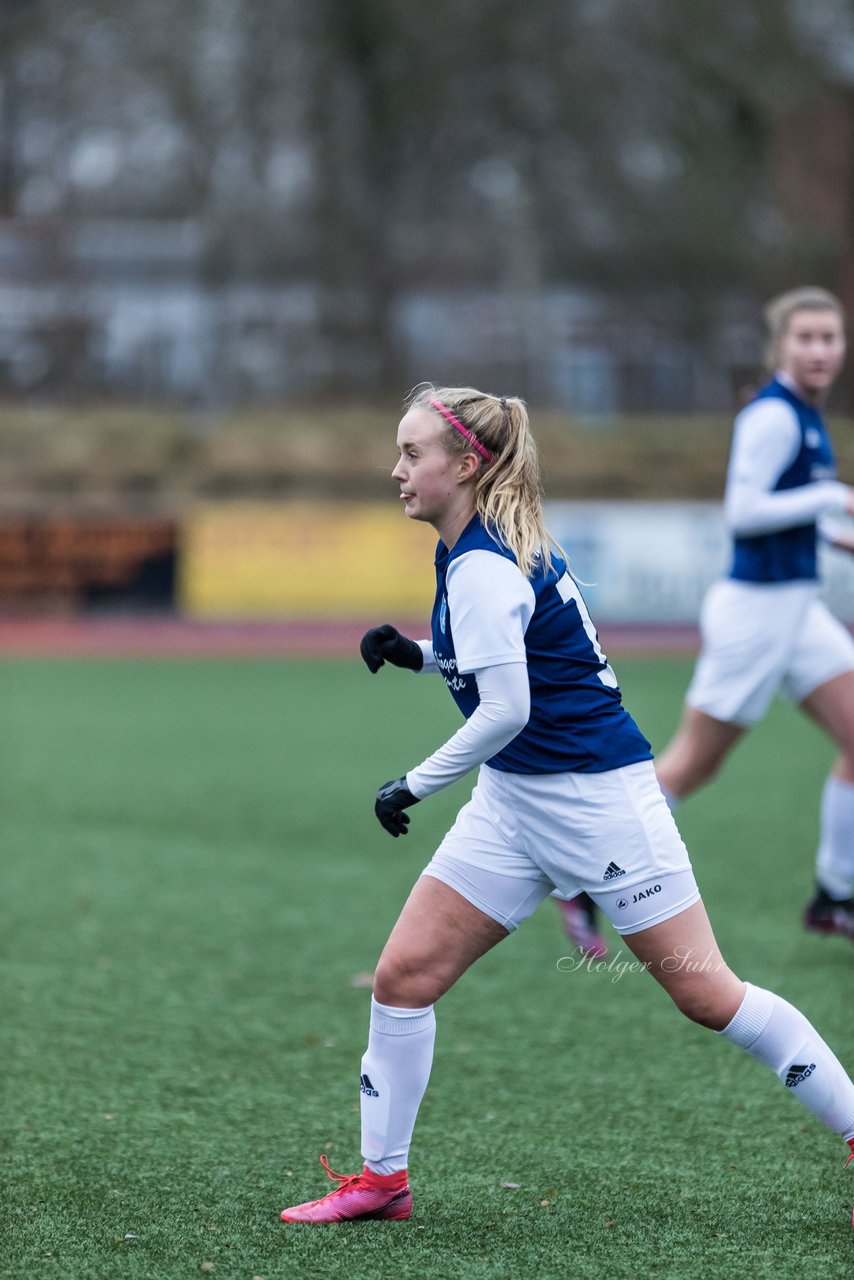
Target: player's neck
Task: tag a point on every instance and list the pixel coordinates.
(451, 525)
(806, 394)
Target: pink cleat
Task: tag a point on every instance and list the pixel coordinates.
(359, 1195)
(579, 921)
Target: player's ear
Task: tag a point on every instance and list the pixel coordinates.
(467, 465)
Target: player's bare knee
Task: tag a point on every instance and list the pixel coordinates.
(682, 777)
(698, 1010)
(390, 980)
(702, 1002)
(697, 773)
(402, 981)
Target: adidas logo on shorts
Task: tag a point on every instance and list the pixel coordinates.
(613, 872)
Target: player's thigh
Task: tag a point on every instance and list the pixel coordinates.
(438, 935)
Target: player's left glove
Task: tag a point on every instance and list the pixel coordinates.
(392, 799)
(385, 644)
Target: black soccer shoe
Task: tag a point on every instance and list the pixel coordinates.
(830, 915)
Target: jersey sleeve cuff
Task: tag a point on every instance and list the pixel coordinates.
(426, 647)
(467, 665)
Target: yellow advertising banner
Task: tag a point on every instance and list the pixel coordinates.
(304, 559)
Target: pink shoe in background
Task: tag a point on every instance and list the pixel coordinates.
(579, 921)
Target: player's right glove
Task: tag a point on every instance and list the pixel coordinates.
(386, 644)
(392, 798)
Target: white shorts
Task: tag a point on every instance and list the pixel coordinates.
(522, 836)
(758, 638)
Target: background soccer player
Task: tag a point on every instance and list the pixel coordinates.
(763, 627)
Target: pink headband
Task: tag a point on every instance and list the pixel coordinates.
(455, 422)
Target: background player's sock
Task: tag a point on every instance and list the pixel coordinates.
(395, 1071)
(770, 1029)
(835, 862)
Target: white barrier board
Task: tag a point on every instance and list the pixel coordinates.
(652, 562)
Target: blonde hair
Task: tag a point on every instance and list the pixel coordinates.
(779, 311)
(508, 491)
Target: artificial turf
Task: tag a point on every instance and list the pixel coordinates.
(193, 889)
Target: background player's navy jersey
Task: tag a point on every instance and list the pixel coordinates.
(789, 554)
(577, 721)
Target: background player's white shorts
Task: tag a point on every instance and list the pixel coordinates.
(523, 835)
(758, 638)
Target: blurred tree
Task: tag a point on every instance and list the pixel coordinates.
(18, 28)
(661, 150)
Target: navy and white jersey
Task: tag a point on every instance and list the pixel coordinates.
(780, 479)
(487, 613)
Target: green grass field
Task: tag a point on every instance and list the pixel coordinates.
(192, 881)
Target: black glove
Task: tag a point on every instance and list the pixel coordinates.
(386, 644)
(392, 799)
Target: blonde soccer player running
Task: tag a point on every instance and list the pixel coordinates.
(764, 629)
(566, 796)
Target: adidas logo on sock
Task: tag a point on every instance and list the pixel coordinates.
(798, 1072)
(613, 872)
(366, 1087)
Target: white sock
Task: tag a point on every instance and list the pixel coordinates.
(395, 1071)
(835, 862)
(770, 1029)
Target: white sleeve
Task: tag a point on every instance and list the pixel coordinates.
(430, 666)
(766, 440)
(505, 705)
(490, 602)
(828, 529)
(836, 533)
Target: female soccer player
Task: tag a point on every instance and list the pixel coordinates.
(763, 627)
(566, 795)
